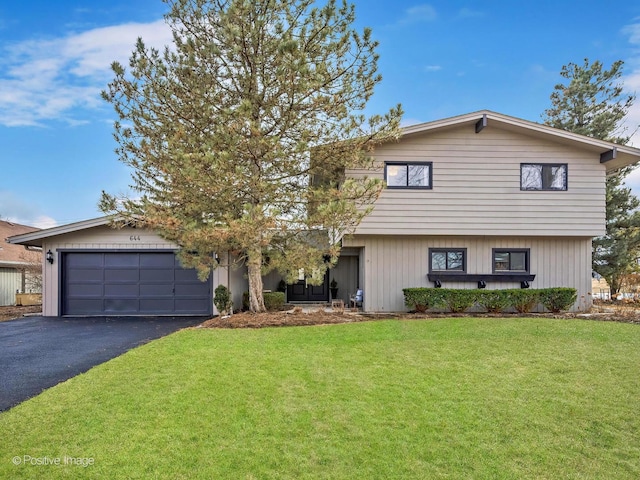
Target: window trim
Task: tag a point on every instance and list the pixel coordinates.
(527, 260)
(446, 250)
(566, 177)
(407, 164)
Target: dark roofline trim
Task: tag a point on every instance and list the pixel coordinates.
(609, 155)
(482, 123)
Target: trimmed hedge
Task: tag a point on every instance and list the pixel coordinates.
(558, 299)
(493, 301)
(459, 300)
(272, 300)
(422, 299)
(524, 300)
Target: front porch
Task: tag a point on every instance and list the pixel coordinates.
(347, 275)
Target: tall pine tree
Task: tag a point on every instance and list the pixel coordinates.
(227, 129)
(593, 103)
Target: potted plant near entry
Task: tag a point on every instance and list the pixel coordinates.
(333, 286)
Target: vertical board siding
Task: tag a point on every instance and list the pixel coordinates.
(346, 274)
(10, 282)
(476, 188)
(233, 277)
(394, 263)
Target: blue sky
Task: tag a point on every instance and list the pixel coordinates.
(439, 59)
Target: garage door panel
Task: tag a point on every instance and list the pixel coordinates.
(85, 306)
(157, 260)
(157, 306)
(121, 275)
(191, 289)
(121, 260)
(120, 305)
(160, 275)
(190, 306)
(122, 290)
(85, 260)
(152, 290)
(187, 276)
(131, 283)
(85, 276)
(85, 290)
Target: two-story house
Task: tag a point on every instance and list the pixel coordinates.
(485, 200)
(478, 200)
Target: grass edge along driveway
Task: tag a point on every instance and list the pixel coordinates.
(451, 398)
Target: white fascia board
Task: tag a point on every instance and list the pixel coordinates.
(35, 238)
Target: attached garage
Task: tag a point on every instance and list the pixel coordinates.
(131, 283)
(93, 269)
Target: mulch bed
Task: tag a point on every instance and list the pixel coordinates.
(281, 319)
(295, 317)
(12, 312)
(292, 318)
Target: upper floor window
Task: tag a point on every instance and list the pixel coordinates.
(408, 174)
(510, 260)
(543, 176)
(448, 259)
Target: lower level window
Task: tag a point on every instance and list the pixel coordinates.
(510, 260)
(448, 259)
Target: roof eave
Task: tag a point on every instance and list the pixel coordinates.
(484, 118)
(35, 239)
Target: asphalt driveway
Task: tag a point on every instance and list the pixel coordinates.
(39, 352)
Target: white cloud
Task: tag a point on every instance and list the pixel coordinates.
(48, 79)
(432, 68)
(418, 14)
(42, 221)
(17, 210)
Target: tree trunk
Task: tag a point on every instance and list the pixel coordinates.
(614, 286)
(254, 264)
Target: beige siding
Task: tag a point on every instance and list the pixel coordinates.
(346, 275)
(232, 276)
(394, 263)
(476, 188)
(99, 238)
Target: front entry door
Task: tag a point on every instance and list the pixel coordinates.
(303, 292)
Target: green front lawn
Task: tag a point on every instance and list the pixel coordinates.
(455, 398)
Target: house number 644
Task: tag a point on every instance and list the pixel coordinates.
(134, 238)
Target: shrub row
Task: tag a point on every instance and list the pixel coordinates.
(493, 301)
(272, 300)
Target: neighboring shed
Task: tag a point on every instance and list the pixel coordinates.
(20, 267)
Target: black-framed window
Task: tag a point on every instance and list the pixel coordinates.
(448, 260)
(509, 260)
(408, 174)
(543, 176)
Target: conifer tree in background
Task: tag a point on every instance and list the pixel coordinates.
(593, 103)
(239, 133)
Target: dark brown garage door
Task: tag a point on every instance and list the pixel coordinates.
(131, 283)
